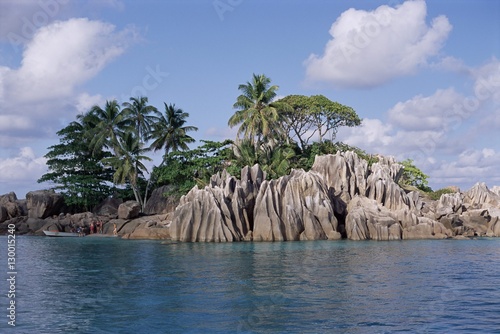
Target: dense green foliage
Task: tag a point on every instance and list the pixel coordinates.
(76, 170)
(413, 176)
(185, 169)
(315, 116)
(436, 195)
(109, 145)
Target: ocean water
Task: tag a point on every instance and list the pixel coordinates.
(90, 285)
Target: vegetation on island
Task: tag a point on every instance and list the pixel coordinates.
(104, 151)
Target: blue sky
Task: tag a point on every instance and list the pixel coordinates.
(423, 75)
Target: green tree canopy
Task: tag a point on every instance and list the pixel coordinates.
(76, 169)
(413, 176)
(185, 169)
(315, 116)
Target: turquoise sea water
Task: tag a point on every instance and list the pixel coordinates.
(89, 285)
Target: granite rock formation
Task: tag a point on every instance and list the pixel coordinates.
(43, 203)
(341, 196)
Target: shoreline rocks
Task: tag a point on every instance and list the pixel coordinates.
(341, 197)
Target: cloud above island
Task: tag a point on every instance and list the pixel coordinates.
(46, 82)
(370, 48)
(39, 96)
(443, 132)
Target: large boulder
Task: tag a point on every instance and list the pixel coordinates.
(129, 210)
(295, 207)
(13, 207)
(3, 214)
(158, 203)
(476, 220)
(147, 227)
(43, 203)
(368, 220)
(494, 223)
(449, 204)
(108, 207)
(382, 187)
(344, 174)
(427, 229)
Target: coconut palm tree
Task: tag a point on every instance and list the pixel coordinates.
(140, 115)
(127, 163)
(258, 114)
(169, 132)
(105, 126)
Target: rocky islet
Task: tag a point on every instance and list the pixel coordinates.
(342, 196)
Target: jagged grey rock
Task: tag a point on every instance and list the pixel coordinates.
(294, 207)
(427, 229)
(158, 203)
(344, 174)
(449, 204)
(368, 220)
(108, 207)
(220, 212)
(382, 187)
(479, 196)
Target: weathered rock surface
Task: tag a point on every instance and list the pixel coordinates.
(344, 174)
(129, 210)
(427, 229)
(382, 187)
(159, 204)
(109, 207)
(149, 227)
(449, 204)
(222, 211)
(341, 196)
(294, 207)
(43, 203)
(368, 220)
(479, 196)
(11, 207)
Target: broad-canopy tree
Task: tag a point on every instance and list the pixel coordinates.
(76, 168)
(413, 176)
(315, 116)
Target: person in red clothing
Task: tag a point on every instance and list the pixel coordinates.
(92, 228)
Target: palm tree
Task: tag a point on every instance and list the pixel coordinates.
(127, 163)
(141, 115)
(257, 113)
(106, 126)
(169, 132)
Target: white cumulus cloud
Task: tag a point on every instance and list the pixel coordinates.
(56, 62)
(24, 169)
(426, 112)
(369, 48)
